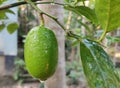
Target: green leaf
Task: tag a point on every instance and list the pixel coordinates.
(75, 42)
(3, 13)
(108, 14)
(85, 11)
(98, 67)
(1, 1)
(12, 27)
(2, 26)
(85, 25)
(112, 40)
(9, 11)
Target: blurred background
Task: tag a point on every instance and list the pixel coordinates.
(13, 73)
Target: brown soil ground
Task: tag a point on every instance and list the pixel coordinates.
(9, 82)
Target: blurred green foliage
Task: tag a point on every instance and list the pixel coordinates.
(20, 69)
(5, 21)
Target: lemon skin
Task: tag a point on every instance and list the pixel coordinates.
(41, 52)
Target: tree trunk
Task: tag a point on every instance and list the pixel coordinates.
(58, 79)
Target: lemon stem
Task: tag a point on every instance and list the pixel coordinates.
(41, 19)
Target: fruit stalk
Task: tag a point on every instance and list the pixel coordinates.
(41, 20)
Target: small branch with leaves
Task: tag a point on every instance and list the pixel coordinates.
(33, 4)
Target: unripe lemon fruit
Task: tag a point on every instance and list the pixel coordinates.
(41, 52)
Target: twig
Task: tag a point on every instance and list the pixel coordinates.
(15, 4)
(40, 11)
(24, 2)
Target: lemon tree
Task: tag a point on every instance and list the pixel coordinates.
(41, 48)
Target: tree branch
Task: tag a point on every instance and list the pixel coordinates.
(15, 4)
(24, 2)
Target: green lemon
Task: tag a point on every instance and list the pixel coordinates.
(41, 52)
